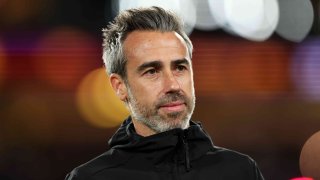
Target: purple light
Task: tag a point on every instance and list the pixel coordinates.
(306, 69)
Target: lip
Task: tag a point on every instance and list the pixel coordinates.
(173, 106)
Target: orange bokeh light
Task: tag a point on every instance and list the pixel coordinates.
(29, 116)
(64, 55)
(240, 67)
(97, 101)
(15, 12)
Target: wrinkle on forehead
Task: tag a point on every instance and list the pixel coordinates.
(141, 41)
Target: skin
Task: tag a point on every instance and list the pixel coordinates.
(160, 79)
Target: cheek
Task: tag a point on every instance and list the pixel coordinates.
(146, 93)
(187, 84)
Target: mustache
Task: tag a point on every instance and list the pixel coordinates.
(171, 97)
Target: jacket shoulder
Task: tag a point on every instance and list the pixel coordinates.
(101, 163)
(228, 154)
(240, 164)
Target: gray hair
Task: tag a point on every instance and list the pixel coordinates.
(153, 18)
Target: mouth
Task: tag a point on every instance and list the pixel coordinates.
(173, 106)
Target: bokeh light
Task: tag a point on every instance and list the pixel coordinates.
(255, 20)
(3, 63)
(184, 8)
(296, 18)
(242, 68)
(2, 2)
(252, 19)
(306, 69)
(205, 19)
(217, 8)
(16, 12)
(261, 27)
(258, 68)
(310, 157)
(64, 55)
(97, 101)
(302, 178)
(28, 118)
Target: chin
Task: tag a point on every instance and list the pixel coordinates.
(178, 122)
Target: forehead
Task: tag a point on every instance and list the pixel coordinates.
(143, 42)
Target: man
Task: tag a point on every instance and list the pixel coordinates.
(148, 59)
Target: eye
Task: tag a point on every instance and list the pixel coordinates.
(150, 72)
(181, 68)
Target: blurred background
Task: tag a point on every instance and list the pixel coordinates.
(257, 78)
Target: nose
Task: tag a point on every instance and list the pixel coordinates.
(171, 83)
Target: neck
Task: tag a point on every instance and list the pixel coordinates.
(142, 129)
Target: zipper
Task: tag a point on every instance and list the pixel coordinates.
(186, 150)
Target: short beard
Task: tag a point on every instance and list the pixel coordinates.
(150, 116)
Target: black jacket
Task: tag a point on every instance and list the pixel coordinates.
(176, 154)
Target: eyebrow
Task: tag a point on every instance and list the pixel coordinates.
(180, 61)
(154, 64)
(158, 64)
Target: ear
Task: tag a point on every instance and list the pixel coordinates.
(119, 86)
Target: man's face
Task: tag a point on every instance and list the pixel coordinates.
(159, 80)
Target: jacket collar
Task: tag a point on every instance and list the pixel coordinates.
(165, 144)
